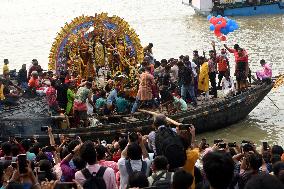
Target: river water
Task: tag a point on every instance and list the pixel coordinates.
(28, 28)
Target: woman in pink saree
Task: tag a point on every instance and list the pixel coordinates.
(266, 72)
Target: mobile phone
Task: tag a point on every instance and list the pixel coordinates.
(232, 144)
(265, 145)
(184, 126)
(66, 185)
(14, 165)
(216, 141)
(44, 128)
(222, 145)
(22, 163)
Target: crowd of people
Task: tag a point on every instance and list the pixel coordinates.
(166, 158)
(174, 84)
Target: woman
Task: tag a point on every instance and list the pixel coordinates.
(265, 73)
(70, 97)
(203, 81)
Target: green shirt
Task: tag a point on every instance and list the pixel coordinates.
(100, 103)
(181, 102)
(121, 105)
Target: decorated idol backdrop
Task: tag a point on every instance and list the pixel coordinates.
(89, 43)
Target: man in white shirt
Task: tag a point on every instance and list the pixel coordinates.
(228, 86)
(138, 159)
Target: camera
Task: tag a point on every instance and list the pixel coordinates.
(44, 128)
(232, 144)
(216, 141)
(222, 145)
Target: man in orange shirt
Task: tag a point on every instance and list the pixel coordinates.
(33, 82)
(223, 66)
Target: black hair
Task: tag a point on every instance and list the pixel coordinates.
(41, 156)
(134, 151)
(278, 167)
(88, 152)
(151, 45)
(148, 68)
(26, 144)
(275, 158)
(236, 47)
(122, 143)
(266, 157)
(264, 181)
(138, 179)
(219, 169)
(254, 160)
(164, 61)
(6, 148)
(182, 179)
(276, 149)
(159, 120)
(101, 152)
(186, 58)
(79, 162)
(63, 153)
(72, 144)
(161, 163)
(102, 93)
(262, 61)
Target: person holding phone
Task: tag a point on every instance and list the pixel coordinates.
(23, 175)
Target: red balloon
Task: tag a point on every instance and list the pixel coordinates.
(214, 21)
(211, 19)
(223, 38)
(223, 24)
(217, 33)
(218, 27)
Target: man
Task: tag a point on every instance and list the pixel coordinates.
(182, 180)
(61, 88)
(212, 65)
(148, 50)
(6, 70)
(160, 168)
(241, 66)
(174, 71)
(34, 67)
(219, 169)
(22, 78)
(138, 160)
(186, 79)
(33, 82)
(80, 103)
(145, 93)
(88, 154)
(228, 85)
(223, 66)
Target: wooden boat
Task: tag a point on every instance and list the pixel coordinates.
(26, 119)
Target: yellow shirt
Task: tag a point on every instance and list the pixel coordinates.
(2, 97)
(191, 158)
(5, 69)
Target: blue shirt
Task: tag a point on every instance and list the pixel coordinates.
(111, 97)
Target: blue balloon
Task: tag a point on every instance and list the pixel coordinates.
(231, 29)
(209, 17)
(226, 32)
(219, 16)
(223, 30)
(212, 27)
(236, 26)
(226, 18)
(229, 22)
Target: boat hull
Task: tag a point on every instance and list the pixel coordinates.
(215, 115)
(267, 9)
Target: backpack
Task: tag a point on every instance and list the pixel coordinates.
(162, 184)
(94, 180)
(130, 170)
(169, 144)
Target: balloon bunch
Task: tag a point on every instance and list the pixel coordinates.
(222, 26)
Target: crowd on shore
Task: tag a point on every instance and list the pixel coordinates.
(174, 85)
(166, 158)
